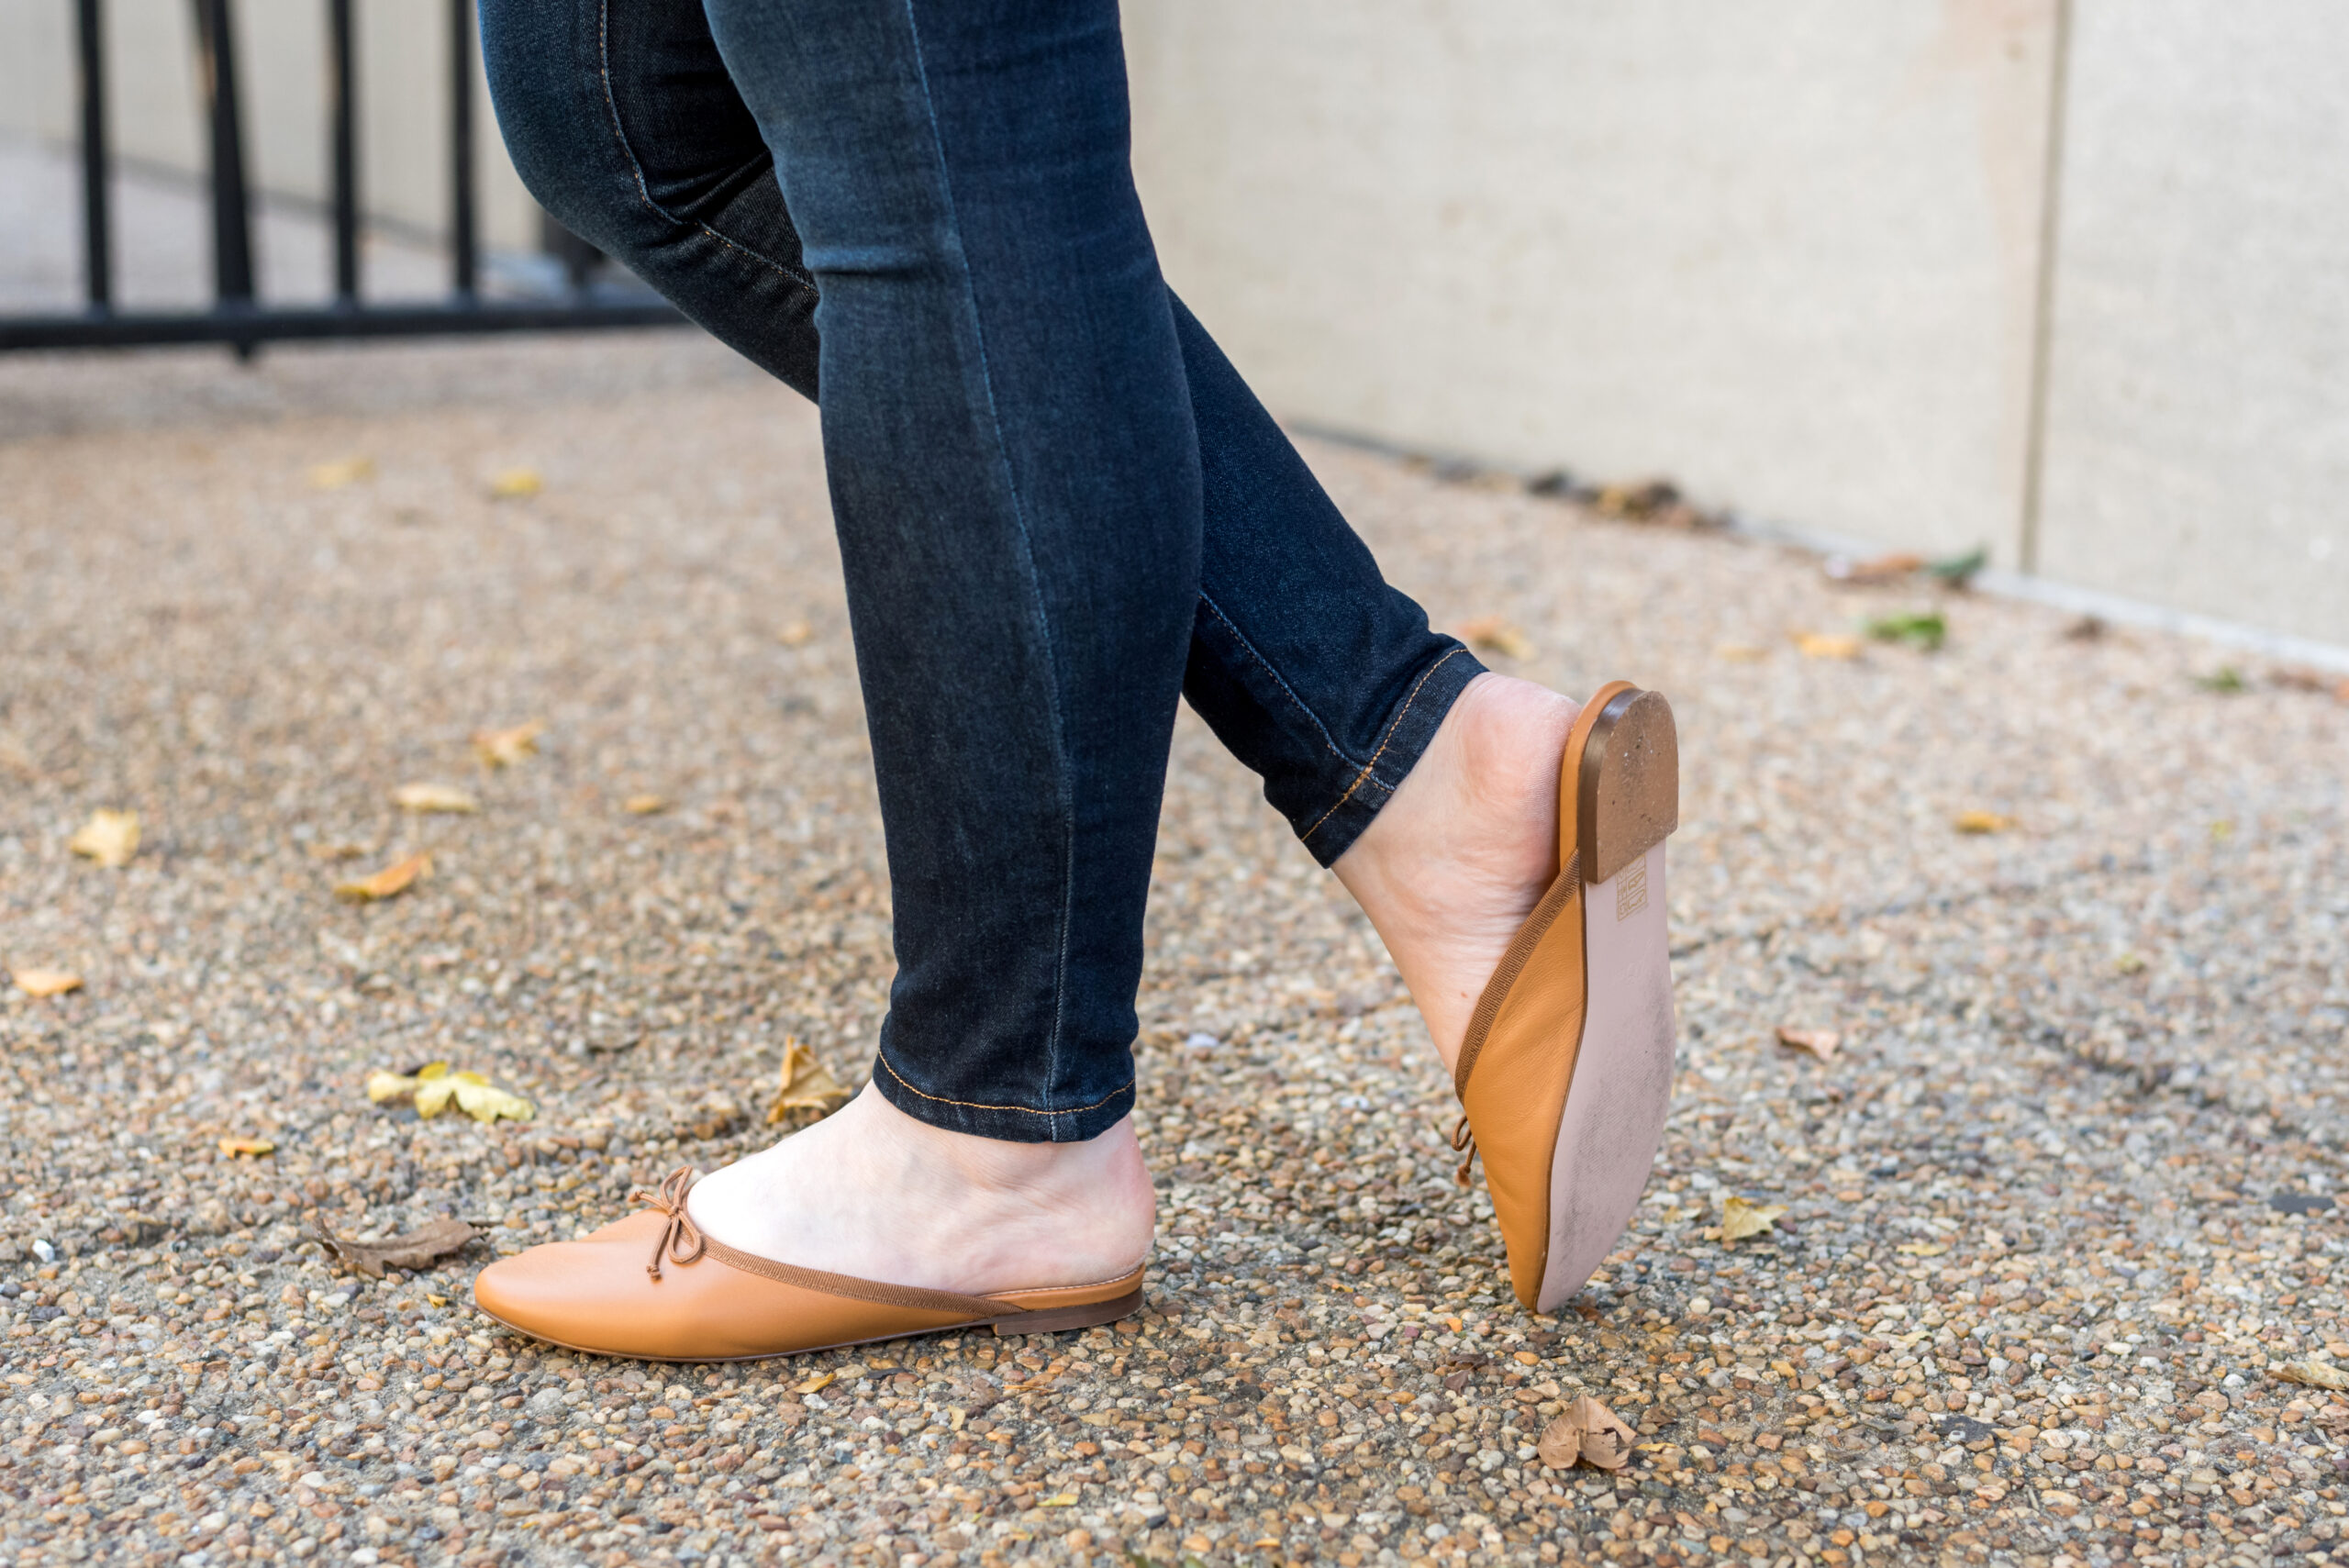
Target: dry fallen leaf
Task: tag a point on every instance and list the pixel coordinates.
(815, 1385)
(424, 797)
(1495, 635)
(1982, 822)
(433, 1087)
(2312, 1374)
(807, 1084)
(1588, 1432)
(109, 838)
(335, 475)
(388, 883)
(644, 804)
(798, 634)
(1820, 1043)
(515, 483)
(1881, 569)
(1827, 645)
(415, 1248)
(504, 748)
(45, 981)
(256, 1146)
(1741, 1219)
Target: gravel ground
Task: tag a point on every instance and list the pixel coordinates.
(2028, 1304)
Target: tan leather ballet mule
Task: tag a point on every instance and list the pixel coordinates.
(654, 1287)
(1567, 1070)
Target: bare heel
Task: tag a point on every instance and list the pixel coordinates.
(1631, 784)
(1053, 1319)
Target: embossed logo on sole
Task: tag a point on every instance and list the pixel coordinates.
(1631, 889)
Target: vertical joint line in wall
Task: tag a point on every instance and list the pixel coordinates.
(2043, 305)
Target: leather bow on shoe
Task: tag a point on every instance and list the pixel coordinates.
(680, 1230)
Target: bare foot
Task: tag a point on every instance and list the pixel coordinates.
(1451, 866)
(871, 1191)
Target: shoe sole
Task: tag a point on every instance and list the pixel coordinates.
(1612, 1124)
(1052, 1320)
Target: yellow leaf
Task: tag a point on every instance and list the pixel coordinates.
(644, 804)
(434, 1088)
(1495, 635)
(486, 1103)
(109, 838)
(1059, 1500)
(504, 748)
(335, 475)
(816, 1383)
(515, 484)
(388, 883)
(807, 1084)
(1982, 822)
(45, 981)
(1820, 1043)
(1741, 1219)
(255, 1146)
(2312, 1374)
(1921, 1248)
(424, 797)
(1827, 645)
(384, 1087)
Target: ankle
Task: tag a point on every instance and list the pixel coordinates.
(994, 1164)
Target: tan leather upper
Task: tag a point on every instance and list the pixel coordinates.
(598, 1294)
(1518, 1057)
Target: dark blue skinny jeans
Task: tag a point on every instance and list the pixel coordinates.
(1058, 505)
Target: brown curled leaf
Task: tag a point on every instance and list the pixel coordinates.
(415, 1248)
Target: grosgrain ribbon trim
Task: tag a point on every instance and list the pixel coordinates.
(681, 1230)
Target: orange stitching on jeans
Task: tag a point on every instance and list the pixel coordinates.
(982, 1105)
(1390, 740)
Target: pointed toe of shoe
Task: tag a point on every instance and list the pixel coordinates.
(588, 1294)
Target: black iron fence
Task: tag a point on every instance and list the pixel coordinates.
(238, 316)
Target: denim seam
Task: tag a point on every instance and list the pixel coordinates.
(1286, 690)
(1065, 792)
(1364, 776)
(983, 1106)
(636, 166)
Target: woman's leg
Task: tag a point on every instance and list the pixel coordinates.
(1317, 674)
(1310, 667)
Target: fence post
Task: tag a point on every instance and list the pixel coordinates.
(232, 238)
(463, 265)
(342, 96)
(97, 247)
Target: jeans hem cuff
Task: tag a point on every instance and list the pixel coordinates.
(1009, 1123)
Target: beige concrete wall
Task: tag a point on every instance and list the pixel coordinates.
(2198, 415)
(156, 116)
(1783, 251)
(1789, 252)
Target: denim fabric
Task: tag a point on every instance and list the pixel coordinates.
(1057, 503)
